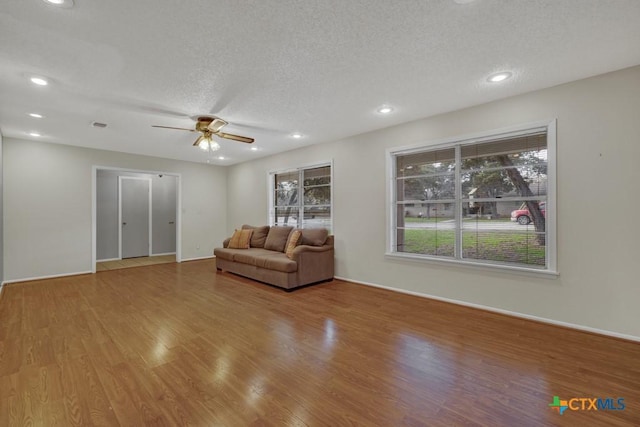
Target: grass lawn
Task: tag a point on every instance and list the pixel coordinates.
(412, 219)
(520, 248)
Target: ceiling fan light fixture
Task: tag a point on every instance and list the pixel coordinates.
(208, 144)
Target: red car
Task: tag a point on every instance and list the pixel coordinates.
(522, 216)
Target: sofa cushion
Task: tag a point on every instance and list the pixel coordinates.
(314, 236)
(293, 241)
(259, 235)
(226, 253)
(250, 256)
(277, 238)
(240, 239)
(260, 260)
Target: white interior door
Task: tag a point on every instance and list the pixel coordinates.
(164, 190)
(135, 203)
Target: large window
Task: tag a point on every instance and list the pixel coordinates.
(484, 200)
(301, 197)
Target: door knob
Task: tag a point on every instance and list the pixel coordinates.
(124, 223)
(171, 222)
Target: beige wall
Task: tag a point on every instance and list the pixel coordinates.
(598, 239)
(47, 205)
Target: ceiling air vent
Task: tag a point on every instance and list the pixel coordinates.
(99, 125)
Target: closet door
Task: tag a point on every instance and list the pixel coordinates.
(164, 197)
(134, 214)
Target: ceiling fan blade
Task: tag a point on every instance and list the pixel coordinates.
(169, 127)
(235, 137)
(216, 125)
(197, 143)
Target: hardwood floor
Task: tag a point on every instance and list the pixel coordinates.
(179, 344)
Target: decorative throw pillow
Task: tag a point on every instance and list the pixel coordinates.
(259, 235)
(294, 239)
(240, 239)
(277, 238)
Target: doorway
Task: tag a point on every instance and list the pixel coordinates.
(136, 218)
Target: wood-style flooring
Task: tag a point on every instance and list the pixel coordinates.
(182, 344)
(134, 262)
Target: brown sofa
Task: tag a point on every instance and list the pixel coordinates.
(266, 261)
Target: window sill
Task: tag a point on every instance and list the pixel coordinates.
(531, 272)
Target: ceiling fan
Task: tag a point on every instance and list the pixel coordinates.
(209, 126)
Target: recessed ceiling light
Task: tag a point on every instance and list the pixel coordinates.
(36, 134)
(220, 157)
(60, 3)
(296, 135)
(498, 77)
(254, 148)
(463, 1)
(39, 81)
(36, 115)
(384, 109)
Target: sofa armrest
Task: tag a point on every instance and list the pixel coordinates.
(225, 244)
(315, 263)
(308, 248)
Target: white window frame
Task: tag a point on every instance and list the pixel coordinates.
(300, 169)
(551, 219)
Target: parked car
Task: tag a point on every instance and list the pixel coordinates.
(523, 216)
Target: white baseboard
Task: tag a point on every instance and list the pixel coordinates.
(53, 276)
(198, 258)
(164, 254)
(501, 311)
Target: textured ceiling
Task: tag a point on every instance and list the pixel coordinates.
(272, 67)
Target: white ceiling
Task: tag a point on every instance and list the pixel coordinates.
(272, 67)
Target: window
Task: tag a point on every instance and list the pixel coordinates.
(313, 208)
(484, 200)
